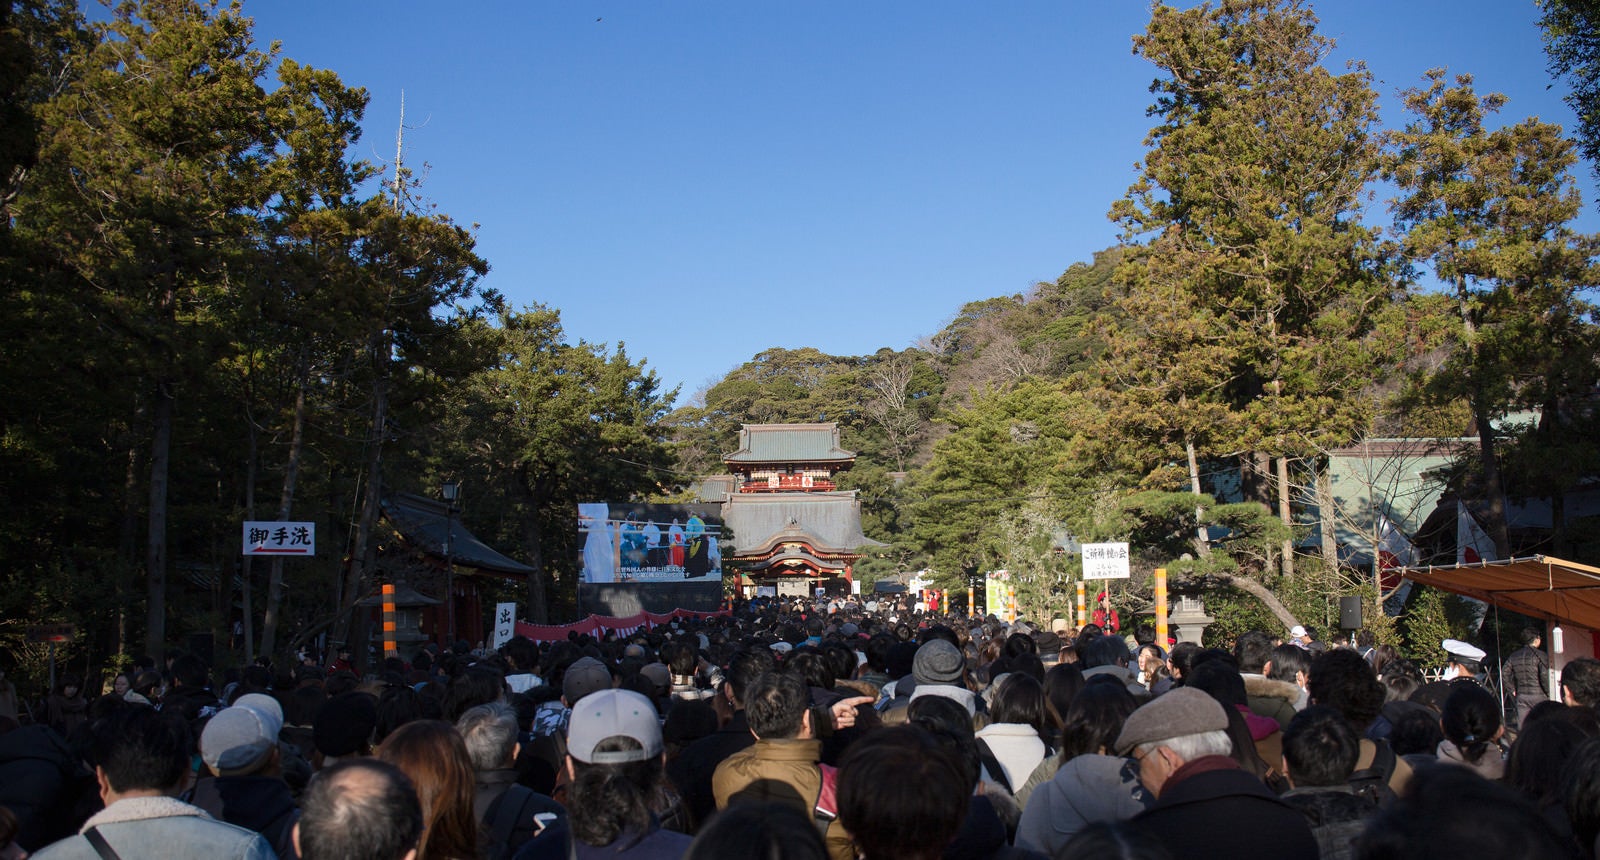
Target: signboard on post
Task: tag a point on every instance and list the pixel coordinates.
(280, 538)
(52, 633)
(1105, 561)
(505, 622)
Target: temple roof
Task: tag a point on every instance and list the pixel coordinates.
(827, 521)
(423, 522)
(791, 560)
(789, 443)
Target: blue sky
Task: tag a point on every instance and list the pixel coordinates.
(705, 180)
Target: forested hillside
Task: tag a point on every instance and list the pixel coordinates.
(212, 311)
(1260, 314)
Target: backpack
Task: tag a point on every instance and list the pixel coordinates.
(502, 819)
(1373, 781)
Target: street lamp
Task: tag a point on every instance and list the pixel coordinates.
(450, 491)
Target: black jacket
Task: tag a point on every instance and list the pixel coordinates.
(1225, 814)
(42, 783)
(259, 803)
(692, 770)
(493, 791)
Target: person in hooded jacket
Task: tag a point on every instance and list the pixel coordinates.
(1091, 783)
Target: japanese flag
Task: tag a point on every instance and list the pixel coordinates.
(1472, 543)
(1395, 550)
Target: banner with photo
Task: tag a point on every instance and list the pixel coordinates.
(650, 543)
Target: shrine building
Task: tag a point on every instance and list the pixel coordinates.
(793, 528)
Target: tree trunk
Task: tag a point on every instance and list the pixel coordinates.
(155, 560)
(127, 547)
(1267, 598)
(1285, 515)
(1254, 483)
(1492, 485)
(352, 628)
(291, 473)
(1202, 537)
(246, 565)
(1327, 514)
(533, 540)
(1487, 455)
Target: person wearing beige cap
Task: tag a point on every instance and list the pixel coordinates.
(1206, 805)
(615, 757)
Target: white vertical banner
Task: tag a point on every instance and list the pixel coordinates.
(505, 623)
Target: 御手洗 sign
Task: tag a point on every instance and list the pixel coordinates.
(51, 633)
(1105, 561)
(280, 538)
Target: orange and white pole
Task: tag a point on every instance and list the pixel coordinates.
(1161, 607)
(1083, 604)
(390, 646)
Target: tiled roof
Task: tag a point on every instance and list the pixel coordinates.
(423, 522)
(830, 522)
(789, 443)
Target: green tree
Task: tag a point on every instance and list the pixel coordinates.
(1249, 199)
(1489, 212)
(155, 155)
(1572, 44)
(998, 455)
(551, 424)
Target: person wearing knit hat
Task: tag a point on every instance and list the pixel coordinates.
(940, 670)
(344, 727)
(1206, 805)
(240, 747)
(586, 675)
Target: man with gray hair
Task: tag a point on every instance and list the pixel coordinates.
(1206, 805)
(359, 809)
(509, 815)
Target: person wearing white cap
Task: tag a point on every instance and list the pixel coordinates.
(1464, 660)
(615, 759)
(1463, 663)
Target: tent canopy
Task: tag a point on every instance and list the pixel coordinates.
(1538, 586)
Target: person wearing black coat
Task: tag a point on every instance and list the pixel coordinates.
(1206, 806)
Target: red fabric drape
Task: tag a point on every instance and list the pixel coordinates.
(594, 625)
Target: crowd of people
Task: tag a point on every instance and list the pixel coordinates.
(827, 729)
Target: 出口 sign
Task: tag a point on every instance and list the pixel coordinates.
(1105, 561)
(280, 538)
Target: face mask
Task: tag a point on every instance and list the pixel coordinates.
(1452, 673)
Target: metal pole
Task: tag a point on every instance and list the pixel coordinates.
(450, 571)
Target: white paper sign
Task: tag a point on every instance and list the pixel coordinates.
(280, 538)
(1105, 561)
(505, 623)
